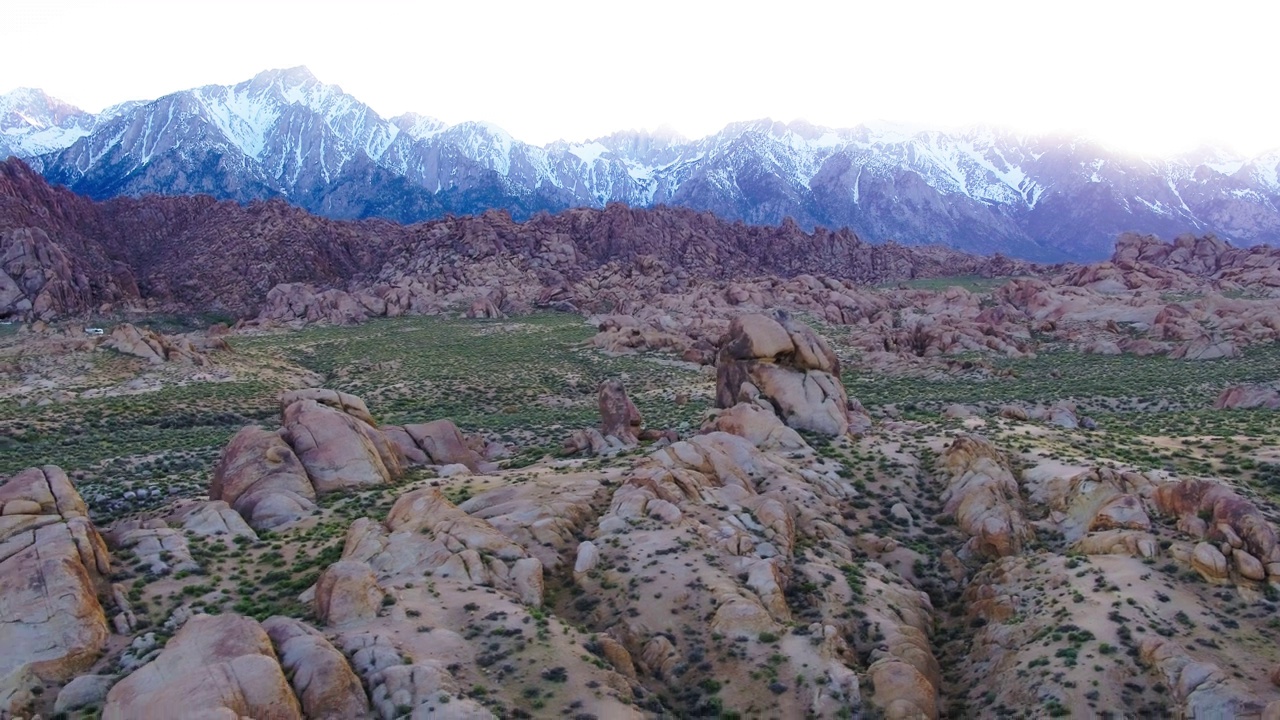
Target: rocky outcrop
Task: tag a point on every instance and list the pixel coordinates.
(321, 677)
(337, 449)
(782, 364)
(223, 665)
(407, 589)
(732, 525)
(329, 442)
(1212, 511)
(158, 547)
(156, 348)
(983, 497)
(260, 476)
(53, 568)
(1247, 397)
(1200, 689)
(1099, 502)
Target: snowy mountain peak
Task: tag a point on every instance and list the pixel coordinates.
(418, 127)
(286, 78)
(32, 122)
(284, 133)
(33, 108)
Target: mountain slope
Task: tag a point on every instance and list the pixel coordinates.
(285, 134)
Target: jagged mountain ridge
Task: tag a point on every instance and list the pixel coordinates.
(285, 134)
(63, 254)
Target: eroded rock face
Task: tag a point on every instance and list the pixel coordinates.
(53, 568)
(260, 476)
(223, 665)
(782, 364)
(982, 494)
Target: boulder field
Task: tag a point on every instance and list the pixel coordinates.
(786, 557)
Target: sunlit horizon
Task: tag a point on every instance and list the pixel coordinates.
(1124, 76)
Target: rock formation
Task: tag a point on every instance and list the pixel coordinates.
(157, 348)
(53, 568)
(260, 476)
(329, 442)
(223, 665)
(620, 424)
(618, 415)
(321, 677)
(338, 449)
(983, 496)
(1212, 511)
(784, 365)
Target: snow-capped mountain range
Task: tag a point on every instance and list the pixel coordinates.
(285, 134)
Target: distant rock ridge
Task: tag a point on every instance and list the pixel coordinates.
(66, 255)
(62, 255)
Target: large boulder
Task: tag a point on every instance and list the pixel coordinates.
(262, 479)
(443, 443)
(216, 666)
(347, 591)
(785, 366)
(320, 674)
(337, 449)
(53, 567)
(1248, 397)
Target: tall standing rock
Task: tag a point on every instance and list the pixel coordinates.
(53, 566)
(784, 365)
(618, 415)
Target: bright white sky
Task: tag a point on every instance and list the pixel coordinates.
(1140, 75)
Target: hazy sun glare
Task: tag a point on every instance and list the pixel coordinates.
(1151, 77)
